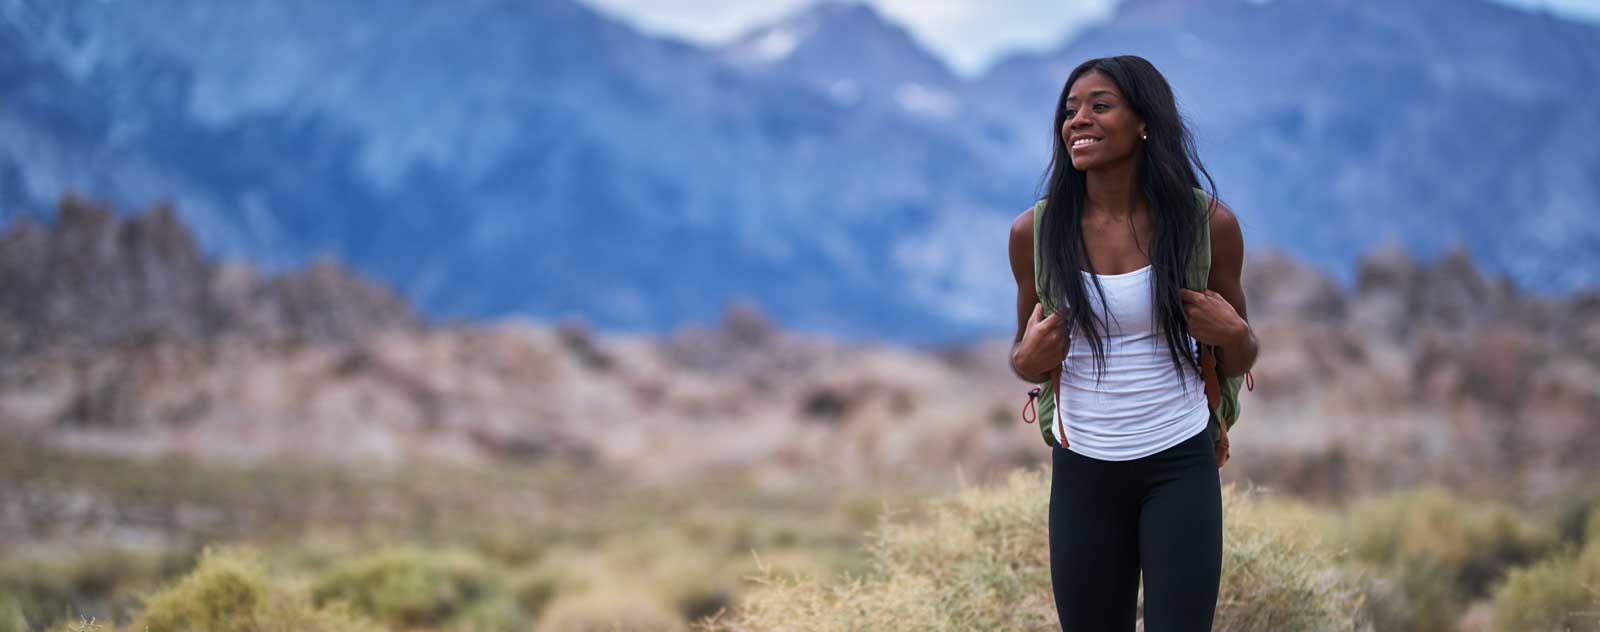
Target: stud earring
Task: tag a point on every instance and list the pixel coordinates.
(1143, 136)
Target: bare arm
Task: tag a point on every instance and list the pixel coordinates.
(1038, 339)
(1238, 353)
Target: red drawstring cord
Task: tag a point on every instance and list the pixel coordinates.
(1249, 381)
(1026, 418)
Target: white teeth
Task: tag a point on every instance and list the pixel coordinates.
(1084, 141)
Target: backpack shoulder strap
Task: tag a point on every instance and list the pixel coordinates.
(1199, 273)
(1046, 392)
(1038, 260)
(1197, 277)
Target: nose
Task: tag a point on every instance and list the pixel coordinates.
(1078, 119)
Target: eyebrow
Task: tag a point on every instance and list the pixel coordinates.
(1092, 94)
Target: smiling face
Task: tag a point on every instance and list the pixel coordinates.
(1100, 128)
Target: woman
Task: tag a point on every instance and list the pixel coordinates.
(1136, 486)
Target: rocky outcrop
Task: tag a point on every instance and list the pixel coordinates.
(92, 278)
(1279, 287)
(1430, 372)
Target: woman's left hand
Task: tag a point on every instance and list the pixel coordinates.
(1212, 319)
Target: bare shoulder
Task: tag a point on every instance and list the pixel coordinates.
(1225, 231)
(1227, 257)
(1222, 217)
(1022, 233)
(1021, 246)
(1023, 224)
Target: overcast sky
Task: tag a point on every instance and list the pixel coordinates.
(969, 34)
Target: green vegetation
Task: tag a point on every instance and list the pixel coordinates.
(230, 592)
(1433, 552)
(1559, 593)
(425, 547)
(409, 587)
(52, 588)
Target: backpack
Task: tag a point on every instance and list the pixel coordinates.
(1222, 395)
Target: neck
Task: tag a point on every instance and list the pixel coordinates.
(1112, 190)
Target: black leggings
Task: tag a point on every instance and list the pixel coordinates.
(1108, 519)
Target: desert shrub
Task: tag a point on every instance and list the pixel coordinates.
(534, 588)
(406, 586)
(1286, 516)
(596, 611)
(81, 625)
(1277, 574)
(1421, 595)
(92, 582)
(656, 566)
(229, 591)
(1434, 552)
(1591, 531)
(980, 561)
(11, 614)
(1558, 593)
(1569, 514)
(1476, 540)
(694, 585)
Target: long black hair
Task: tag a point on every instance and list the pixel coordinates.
(1166, 181)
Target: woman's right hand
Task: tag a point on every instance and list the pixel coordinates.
(1043, 347)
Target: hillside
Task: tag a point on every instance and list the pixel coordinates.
(1427, 371)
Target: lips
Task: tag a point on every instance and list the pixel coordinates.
(1090, 142)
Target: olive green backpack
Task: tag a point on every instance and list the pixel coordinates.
(1221, 395)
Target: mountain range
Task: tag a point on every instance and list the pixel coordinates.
(492, 158)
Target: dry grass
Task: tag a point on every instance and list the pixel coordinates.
(480, 551)
(435, 548)
(981, 562)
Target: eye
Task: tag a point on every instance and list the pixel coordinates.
(1098, 107)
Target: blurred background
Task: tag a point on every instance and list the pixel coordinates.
(566, 314)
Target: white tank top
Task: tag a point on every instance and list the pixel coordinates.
(1139, 407)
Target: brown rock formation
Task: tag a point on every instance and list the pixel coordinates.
(93, 279)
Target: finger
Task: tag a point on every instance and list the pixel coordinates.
(1038, 308)
(1189, 296)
